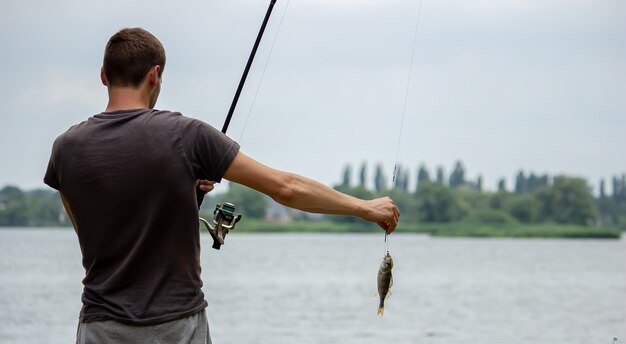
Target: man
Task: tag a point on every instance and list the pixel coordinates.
(128, 178)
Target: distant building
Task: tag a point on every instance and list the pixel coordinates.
(276, 212)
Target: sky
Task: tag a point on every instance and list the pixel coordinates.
(502, 85)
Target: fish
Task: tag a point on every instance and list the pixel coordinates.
(384, 281)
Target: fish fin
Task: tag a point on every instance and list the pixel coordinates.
(380, 311)
(391, 282)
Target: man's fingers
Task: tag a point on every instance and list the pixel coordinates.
(388, 226)
(206, 188)
(205, 185)
(392, 226)
(395, 219)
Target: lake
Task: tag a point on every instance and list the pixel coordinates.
(321, 288)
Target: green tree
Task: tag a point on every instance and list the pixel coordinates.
(602, 189)
(249, 202)
(402, 179)
(380, 180)
(623, 193)
(479, 183)
(502, 185)
(491, 216)
(534, 182)
(405, 180)
(422, 175)
(31, 208)
(545, 200)
(572, 201)
(619, 188)
(45, 209)
(499, 200)
(363, 174)
(441, 177)
(436, 203)
(346, 179)
(14, 209)
(524, 208)
(11, 193)
(520, 183)
(457, 177)
(619, 216)
(469, 200)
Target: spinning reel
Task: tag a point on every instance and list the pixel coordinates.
(224, 219)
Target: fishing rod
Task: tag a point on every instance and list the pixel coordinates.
(224, 217)
(247, 69)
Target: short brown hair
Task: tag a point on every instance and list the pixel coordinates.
(130, 54)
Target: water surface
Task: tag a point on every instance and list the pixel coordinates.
(312, 288)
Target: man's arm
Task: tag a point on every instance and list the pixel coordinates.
(67, 210)
(302, 193)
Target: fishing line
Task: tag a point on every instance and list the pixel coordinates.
(256, 92)
(386, 244)
(404, 106)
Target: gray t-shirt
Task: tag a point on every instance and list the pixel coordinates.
(129, 178)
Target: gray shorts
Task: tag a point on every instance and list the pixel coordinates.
(191, 330)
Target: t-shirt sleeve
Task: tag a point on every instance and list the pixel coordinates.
(209, 151)
(51, 177)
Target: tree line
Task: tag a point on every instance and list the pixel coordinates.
(433, 198)
(534, 198)
(34, 208)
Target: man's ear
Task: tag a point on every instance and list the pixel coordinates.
(154, 74)
(103, 77)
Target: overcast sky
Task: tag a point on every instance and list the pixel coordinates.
(500, 84)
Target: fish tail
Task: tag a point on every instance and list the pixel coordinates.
(381, 309)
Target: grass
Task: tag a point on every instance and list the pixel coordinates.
(528, 231)
(460, 229)
(260, 226)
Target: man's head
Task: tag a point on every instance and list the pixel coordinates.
(130, 55)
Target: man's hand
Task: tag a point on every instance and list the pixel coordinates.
(205, 185)
(384, 212)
